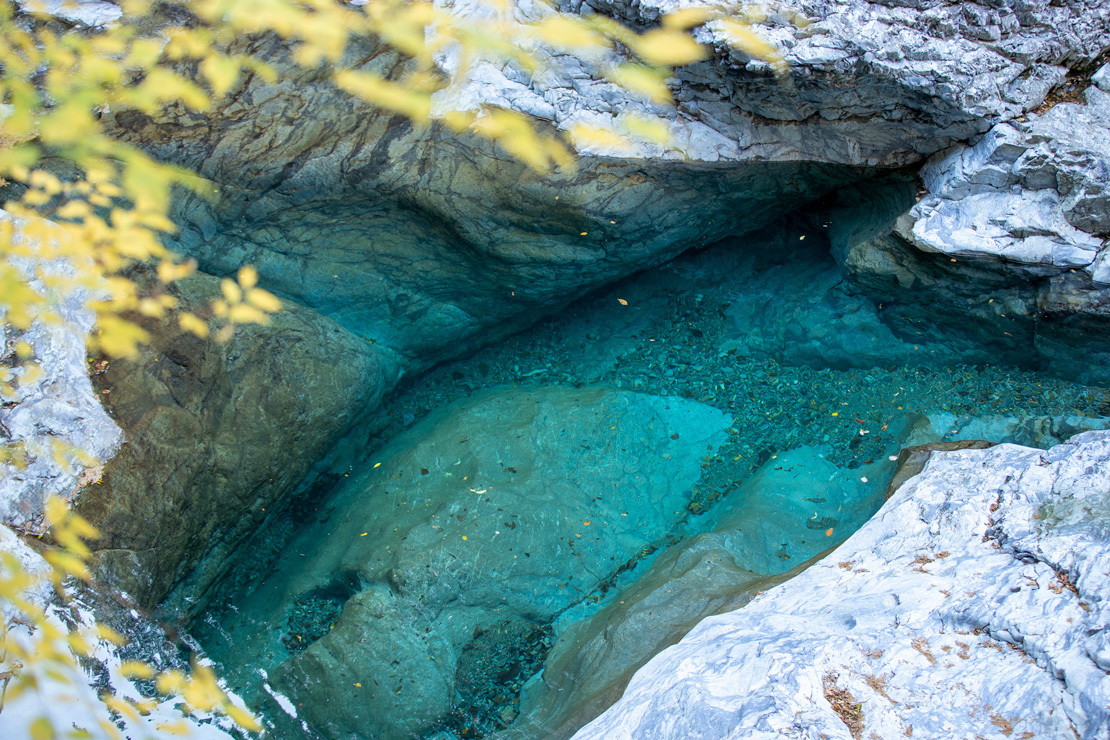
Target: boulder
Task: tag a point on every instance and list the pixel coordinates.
(973, 603)
(493, 514)
(217, 435)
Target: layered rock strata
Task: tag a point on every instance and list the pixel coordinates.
(430, 243)
(216, 435)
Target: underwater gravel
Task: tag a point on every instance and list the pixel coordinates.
(679, 346)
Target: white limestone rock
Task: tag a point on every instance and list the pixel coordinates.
(1033, 194)
(975, 604)
(68, 694)
(59, 407)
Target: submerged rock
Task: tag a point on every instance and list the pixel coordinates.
(776, 522)
(503, 509)
(973, 603)
(216, 435)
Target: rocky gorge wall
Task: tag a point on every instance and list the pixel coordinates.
(398, 247)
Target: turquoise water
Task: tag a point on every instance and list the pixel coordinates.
(506, 503)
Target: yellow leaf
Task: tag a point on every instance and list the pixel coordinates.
(190, 323)
(248, 277)
(645, 81)
(220, 71)
(595, 136)
(685, 18)
(668, 47)
(120, 338)
(168, 271)
(622, 301)
(136, 669)
(232, 292)
(653, 130)
(41, 729)
(170, 682)
(69, 564)
(241, 313)
(743, 38)
(381, 92)
(151, 307)
(263, 300)
(573, 34)
(243, 718)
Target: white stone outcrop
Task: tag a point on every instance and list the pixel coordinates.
(869, 82)
(1031, 193)
(53, 425)
(975, 604)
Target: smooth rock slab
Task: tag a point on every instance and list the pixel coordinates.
(974, 604)
(512, 505)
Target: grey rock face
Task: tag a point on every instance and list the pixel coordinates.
(216, 435)
(973, 604)
(430, 243)
(874, 82)
(1031, 194)
(1010, 236)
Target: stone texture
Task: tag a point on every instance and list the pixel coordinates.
(57, 408)
(747, 545)
(1031, 194)
(216, 435)
(875, 82)
(511, 505)
(431, 243)
(1009, 237)
(973, 603)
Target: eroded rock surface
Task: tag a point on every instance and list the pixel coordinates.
(430, 243)
(54, 434)
(216, 434)
(1011, 236)
(974, 603)
(502, 509)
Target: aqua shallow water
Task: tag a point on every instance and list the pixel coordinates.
(743, 392)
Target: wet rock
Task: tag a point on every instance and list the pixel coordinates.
(384, 670)
(216, 435)
(510, 507)
(753, 538)
(972, 603)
